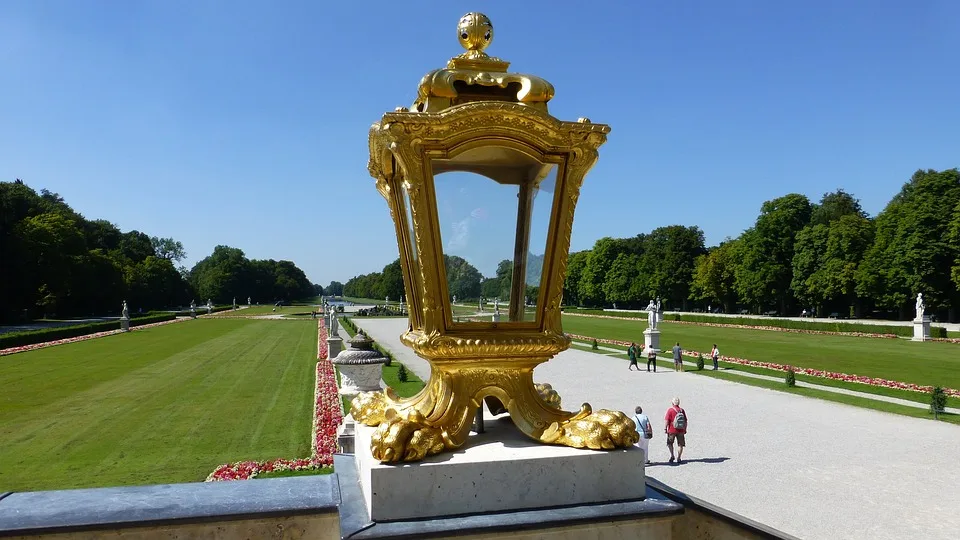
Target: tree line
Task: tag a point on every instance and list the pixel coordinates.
(828, 256)
(56, 263)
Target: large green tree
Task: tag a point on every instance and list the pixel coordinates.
(766, 271)
(599, 261)
(668, 261)
(714, 276)
(912, 252)
(576, 262)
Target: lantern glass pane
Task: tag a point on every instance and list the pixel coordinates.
(494, 206)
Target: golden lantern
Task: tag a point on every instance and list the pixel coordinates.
(477, 160)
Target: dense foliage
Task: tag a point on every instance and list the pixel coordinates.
(56, 263)
(828, 257)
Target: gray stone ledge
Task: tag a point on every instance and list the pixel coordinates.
(40, 512)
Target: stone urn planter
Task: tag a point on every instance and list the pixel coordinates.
(361, 370)
(360, 366)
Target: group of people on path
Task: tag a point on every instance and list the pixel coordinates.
(675, 427)
(633, 352)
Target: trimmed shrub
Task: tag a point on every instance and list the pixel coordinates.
(699, 362)
(595, 346)
(402, 373)
(790, 379)
(19, 339)
(938, 401)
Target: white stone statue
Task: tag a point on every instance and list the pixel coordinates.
(125, 314)
(248, 300)
(193, 305)
(454, 299)
(652, 315)
(920, 306)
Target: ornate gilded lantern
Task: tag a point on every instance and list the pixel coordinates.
(478, 172)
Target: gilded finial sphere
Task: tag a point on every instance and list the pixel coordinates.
(475, 31)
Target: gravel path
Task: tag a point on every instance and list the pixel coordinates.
(811, 468)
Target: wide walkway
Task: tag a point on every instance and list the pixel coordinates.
(811, 468)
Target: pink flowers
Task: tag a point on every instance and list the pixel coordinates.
(12, 350)
(873, 381)
(327, 417)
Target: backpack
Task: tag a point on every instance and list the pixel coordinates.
(680, 420)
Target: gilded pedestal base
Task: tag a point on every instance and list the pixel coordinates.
(440, 417)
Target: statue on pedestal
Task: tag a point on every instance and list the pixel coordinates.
(248, 300)
(652, 315)
(125, 314)
(920, 306)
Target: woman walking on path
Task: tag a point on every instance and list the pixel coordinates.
(645, 429)
(632, 353)
(715, 354)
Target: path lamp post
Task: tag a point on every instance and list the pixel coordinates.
(478, 154)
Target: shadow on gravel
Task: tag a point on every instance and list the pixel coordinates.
(698, 460)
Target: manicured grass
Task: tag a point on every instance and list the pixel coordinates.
(930, 363)
(831, 396)
(909, 395)
(287, 474)
(267, 310)
(404, 389)
(167, 404)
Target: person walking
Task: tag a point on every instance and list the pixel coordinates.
(651, 359)
(632, 354)
(676, 429)
(645, 429)
(677, 357)
(715, 354)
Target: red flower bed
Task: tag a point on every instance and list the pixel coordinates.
(326, 419)
(604, 341)
(12, 350)
(873, 381)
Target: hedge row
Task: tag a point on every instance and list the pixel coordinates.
(843, 327)
(202, 310)
(19, 339)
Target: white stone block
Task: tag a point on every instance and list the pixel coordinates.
(651, 338)
(501, 469)
(921, 329)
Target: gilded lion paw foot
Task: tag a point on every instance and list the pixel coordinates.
(601, 430)
(548, 394)
(405, 439)
(369, 408)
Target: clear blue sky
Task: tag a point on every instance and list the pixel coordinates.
(245, 123)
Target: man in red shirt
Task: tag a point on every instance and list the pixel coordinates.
(676, 429)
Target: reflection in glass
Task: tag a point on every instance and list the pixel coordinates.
(411, 245)
(494, 206)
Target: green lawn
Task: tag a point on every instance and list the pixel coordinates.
(167, 404)
(929, 363)
(268, 310)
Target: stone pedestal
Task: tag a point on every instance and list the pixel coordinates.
(496, 316)
(125, 324)
(334, 346)
(651, 338)
(500, 470)
(921, 329)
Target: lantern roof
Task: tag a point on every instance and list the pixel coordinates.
(476, 76)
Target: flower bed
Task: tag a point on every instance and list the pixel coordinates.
(23, 348)
(872, 381)
(752, 327)
(604, 341)
(326, 419)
